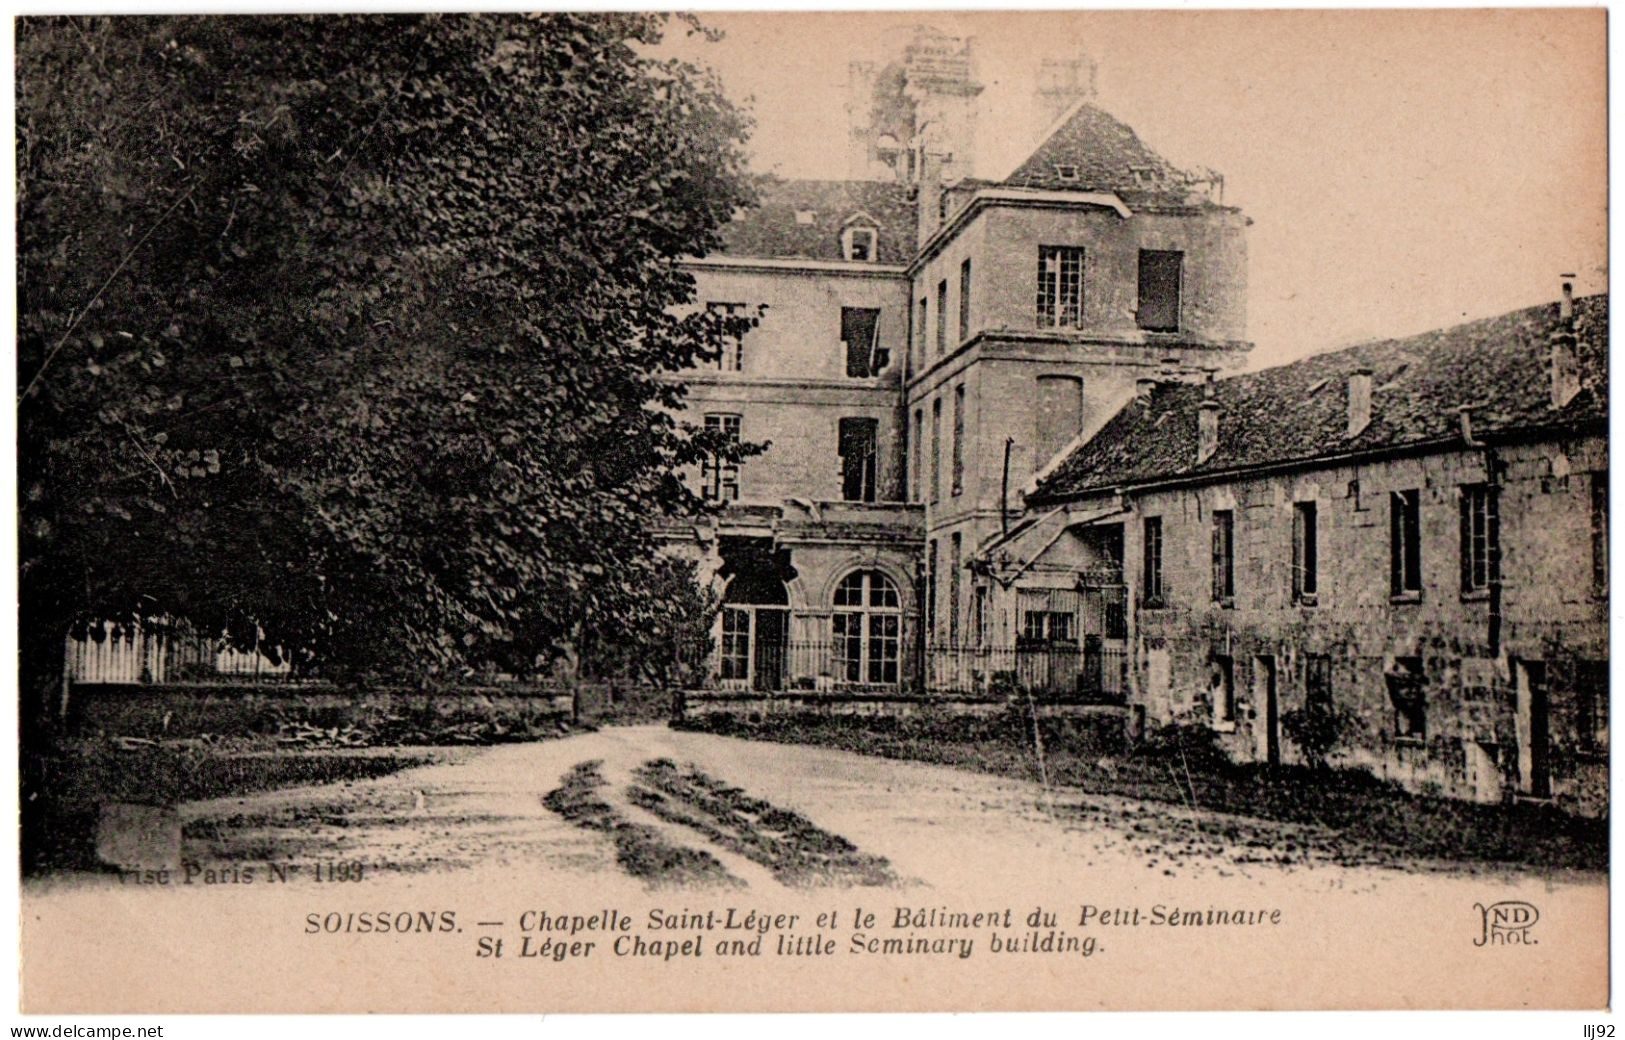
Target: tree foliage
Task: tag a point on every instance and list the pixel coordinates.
(358, 330)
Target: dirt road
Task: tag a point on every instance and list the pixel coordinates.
(654, 824)
(923, 824)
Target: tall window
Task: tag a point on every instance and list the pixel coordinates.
(1305, 553)
(1224, 557)
(1591, 705)
(923, 318)
(936, 449)
(1480, 538)
(1060, 413)
(860, 337)
(1599, 532)
(857, 450)
(1222, 687)
(933, 563)
(1060, 287)
(1161, 271)
(955, 548)
(1405, 543)
(914, 452)
(729, 342)
(735, 643)
(719, 476)
(867, 622)
(1151, 594)
(964, 299)
(1317, 683)
(959, 440)
(942, 317)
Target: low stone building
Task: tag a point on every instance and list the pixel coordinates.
(1410, 532)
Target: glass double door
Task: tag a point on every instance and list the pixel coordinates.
(755, 641)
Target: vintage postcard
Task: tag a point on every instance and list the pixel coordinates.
(813, 511)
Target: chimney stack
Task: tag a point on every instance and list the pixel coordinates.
(1207, 430)
(1565, 371)
(1359, 400)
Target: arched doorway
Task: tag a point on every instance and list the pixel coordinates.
(755, 633)
(868, 624)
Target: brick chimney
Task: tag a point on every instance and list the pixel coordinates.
(1565, 368)
(1207, 429)
(1359, 400)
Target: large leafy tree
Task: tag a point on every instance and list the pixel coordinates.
(357, 330)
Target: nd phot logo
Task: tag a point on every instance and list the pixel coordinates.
(1506, 923)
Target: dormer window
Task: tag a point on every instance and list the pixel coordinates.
(804, 216)
(1067, 171)
(859, 244)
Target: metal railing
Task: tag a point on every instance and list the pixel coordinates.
(1087, 672)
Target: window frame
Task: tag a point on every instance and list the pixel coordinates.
(957, 450)
(877, 618)
(1405, 580)
(716, 474)
(849, 244)
(871, 364)
(866, 463)
(1224, 557)
(936, 450)
(1141, 320)
(718, 311)
(1306, 553)
(942, 318)
(1152, 592)
(1052, 309)
(964, 299)
(1479, 539)
(1224, 667)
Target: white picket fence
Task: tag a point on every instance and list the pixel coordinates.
(162, 654)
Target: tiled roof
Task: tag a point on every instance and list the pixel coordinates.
(1299, 411)
(1107, 156)
(770, 229)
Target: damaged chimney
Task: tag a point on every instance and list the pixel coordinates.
(1565, 366)
(1207, 429)
(1359, 401)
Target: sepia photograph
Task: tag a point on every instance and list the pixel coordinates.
(812, 511)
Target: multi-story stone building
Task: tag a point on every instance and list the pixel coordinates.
(926, 342)
(1412, 533)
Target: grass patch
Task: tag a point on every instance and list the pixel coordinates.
(1355, 817)
(796, 850)
(640, 850)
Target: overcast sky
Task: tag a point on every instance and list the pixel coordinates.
(1404, 170)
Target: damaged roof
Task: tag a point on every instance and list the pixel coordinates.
(1299, 412)
(803, 220)
(1095, 151)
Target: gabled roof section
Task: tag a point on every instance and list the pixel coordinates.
(1299, 412)
(771, 229)
(1098, 152)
